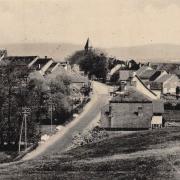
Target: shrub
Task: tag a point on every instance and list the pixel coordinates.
(89, 136)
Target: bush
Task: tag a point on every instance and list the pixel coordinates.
(89, 136)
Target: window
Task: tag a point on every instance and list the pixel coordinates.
(140, 111)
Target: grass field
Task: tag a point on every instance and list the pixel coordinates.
(141, 155)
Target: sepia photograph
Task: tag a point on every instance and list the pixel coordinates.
(90, 90)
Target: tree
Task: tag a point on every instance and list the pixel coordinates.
(132, 65)
(93, 62)
(14, 95)
(60, 98)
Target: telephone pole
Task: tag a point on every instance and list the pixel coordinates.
(25, 111)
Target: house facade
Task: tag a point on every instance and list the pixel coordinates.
(132, 111)
(166, 84)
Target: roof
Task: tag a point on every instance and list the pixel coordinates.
(51, 67)
(155, 75)
(21, 59)
(177, 72)
(58, 71)
(75, 77)
(152, 93)
(169, 67)
(142, 70)
(41, 62)
(131, 95)
(115, 69)
(124, 75)
(147, 74)
(164, 78)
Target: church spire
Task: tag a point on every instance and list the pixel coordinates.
(86, 47)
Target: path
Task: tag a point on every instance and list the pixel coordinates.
(63, 139)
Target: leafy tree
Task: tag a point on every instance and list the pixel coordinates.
(60, 98)
(92, 62)
(14, 96)
(132, 65)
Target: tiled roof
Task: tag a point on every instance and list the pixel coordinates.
(147, 74)
(40, 62)
(164, 78)
(142, 70)
(75, 77)
(51, 67)
(20, 59)
(169, 67)
(131, 95)
(155, 75)
(59, 71)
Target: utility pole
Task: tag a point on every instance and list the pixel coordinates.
(51, 114)
(20, 136)
(25, 130)
(25, 111)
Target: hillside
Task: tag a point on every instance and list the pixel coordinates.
(140, 155)
(153, 52)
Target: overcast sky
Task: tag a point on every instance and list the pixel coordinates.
(107, 23)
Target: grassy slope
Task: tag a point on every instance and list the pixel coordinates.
(144, 155)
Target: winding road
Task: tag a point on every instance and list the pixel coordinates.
(63, 139)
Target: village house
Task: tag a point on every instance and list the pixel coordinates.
(157, 75)
(42, 64)
(165, 84)
(171, 68)
(21, 60)
(125, 78)
(150, 80)
(79, 82)
(132, 110)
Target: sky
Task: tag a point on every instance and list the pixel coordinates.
(108, 23)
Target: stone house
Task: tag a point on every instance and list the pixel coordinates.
(132, 110)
